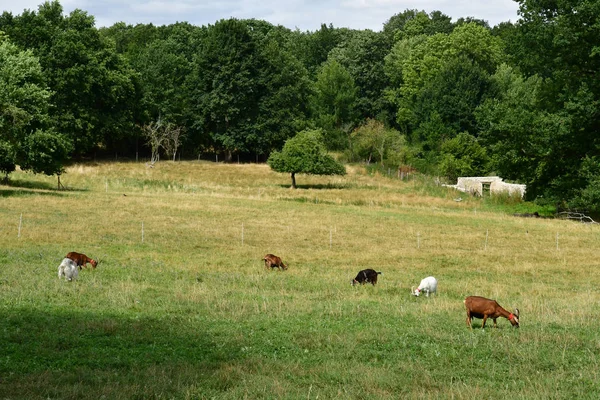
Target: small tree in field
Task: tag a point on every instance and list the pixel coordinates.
(46, 153)
(173, 138)
(305, 153)
(154, 136)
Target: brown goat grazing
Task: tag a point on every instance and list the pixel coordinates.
(480, 307)
(272, 261)
(366, 276)
(81, 259)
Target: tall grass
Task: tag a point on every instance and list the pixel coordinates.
(190, 311)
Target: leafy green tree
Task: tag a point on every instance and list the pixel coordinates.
(588, 197)
(411, 23)
(246, 90)
(442, 76)
(526, 142)
(334, 101)
(463, 155)
(94, 93)
(312, 48)
(24, 104)
(363, 56)
(8, 159)
(224, 86)
(305, 153)
(557, 41)
(452, 96)
(46, 153)
(284, 104)
(373, 139)
(162, 70)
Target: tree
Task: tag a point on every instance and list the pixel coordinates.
(452, 95)
(463, 155)
(526, 142)
(25, 137)
(283, 105)
(333, 102)
(174, 136)
(305, 153)
(8, 159)
(411, 23)
(373, 138)
(556, 44)
(47, 152)
(363, 56)
(153, 132)
(225, 86)
(439, 80)
(94, 93)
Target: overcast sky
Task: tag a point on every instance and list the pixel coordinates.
(302, 14)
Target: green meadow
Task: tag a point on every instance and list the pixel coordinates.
(182, 307)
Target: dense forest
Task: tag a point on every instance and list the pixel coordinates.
(449, 98)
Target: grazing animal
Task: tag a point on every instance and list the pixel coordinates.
(427, 285)
(366, 276)
(272, 261)
(68, 268)
(480, 307)
(81, 259)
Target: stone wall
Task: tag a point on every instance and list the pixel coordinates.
(475, 186)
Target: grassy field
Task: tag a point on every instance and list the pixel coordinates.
(182, 307)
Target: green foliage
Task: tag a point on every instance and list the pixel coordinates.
(24, 96)
(305, 153)
(46, 152)
(94, 93)
(412, 23)
(589, 195)
(284, 104)
(24, 104)
(246, 90)
(363, 55)
(312, 48)
(8, 158)
(443, 77)
(162, 73)
(525, 141)
(463, 156)
(373, 141)
(334, 101)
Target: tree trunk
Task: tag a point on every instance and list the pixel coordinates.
(59, 184)
(293, 180)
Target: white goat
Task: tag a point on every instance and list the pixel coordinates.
(427, 285)
(69, 269)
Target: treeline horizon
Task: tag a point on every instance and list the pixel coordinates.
(520, 100)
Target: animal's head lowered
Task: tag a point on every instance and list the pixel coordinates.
(95, 263)
(514, 318)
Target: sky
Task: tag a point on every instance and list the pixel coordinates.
(305, 15)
